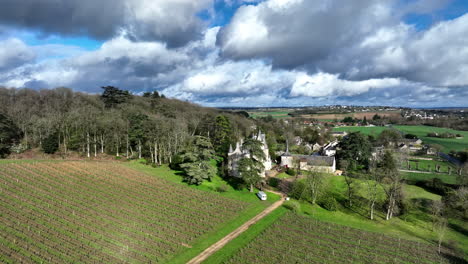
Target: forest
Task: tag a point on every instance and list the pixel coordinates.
(115, 122)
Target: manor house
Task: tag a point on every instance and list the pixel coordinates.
(234, 156)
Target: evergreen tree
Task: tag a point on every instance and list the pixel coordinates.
(356, 150)
(250, 168)
(196, 160)
(222, 135)
(113, 96)
(9, 134)
(50, 144)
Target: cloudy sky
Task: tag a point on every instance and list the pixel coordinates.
(243, 52)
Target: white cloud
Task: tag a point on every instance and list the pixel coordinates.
(14, 53)
(325, 84)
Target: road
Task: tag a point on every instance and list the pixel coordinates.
(221, 243)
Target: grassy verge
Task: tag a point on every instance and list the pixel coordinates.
(208, 239)
(242, 240)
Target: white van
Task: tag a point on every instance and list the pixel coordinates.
(262, 195)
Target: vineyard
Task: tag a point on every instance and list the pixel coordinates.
(101, 212)
(301, 239)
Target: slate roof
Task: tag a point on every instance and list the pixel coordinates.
(316, 160)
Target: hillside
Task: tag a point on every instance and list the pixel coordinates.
(114, 122)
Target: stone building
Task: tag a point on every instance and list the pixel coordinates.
(309, 162)
(234, 156)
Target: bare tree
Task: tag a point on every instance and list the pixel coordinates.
(373, 180)
(441, 230)
(391, 182)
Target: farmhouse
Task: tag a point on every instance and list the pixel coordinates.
(309, 162)
(330, 149)
(234, 156)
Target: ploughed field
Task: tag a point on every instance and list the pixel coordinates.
(101, 212)
(301, 239)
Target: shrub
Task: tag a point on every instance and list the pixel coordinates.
(273, 182)
(222, 188)
(297, 190)
(290, 172)
(50, 144)
(411, 136)
(328, 202)
(293, 206)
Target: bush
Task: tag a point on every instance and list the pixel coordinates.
(329, 203)
(297, 190)
(411, 136)
(290, 172)
(222, 188)
(50, 144)
(273, 182)
(293, 206)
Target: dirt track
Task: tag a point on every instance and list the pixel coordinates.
(221, 243)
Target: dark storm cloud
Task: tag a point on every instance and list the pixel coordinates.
(174, 22)
(295, 33)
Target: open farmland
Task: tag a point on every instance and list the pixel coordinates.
(273, 113)
(301, 239)
(358, 115)
(101, 212)
(448, 144)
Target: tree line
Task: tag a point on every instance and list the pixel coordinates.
(115, 122)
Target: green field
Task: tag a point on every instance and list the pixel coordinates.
(274, 114)
(427, 170)
(414, 177)
(112, 212)
(448, 144)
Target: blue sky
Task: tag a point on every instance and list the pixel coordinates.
(243, 52)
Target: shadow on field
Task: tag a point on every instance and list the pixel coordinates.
(459, 229)
(453, 259)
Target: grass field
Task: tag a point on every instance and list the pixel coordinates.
(103, 212)
(301, 239)
(274, 114)
(414, 176)
(359, 115)
(447, 143)
(420, 131)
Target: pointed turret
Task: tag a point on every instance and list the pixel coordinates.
(287, 149)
